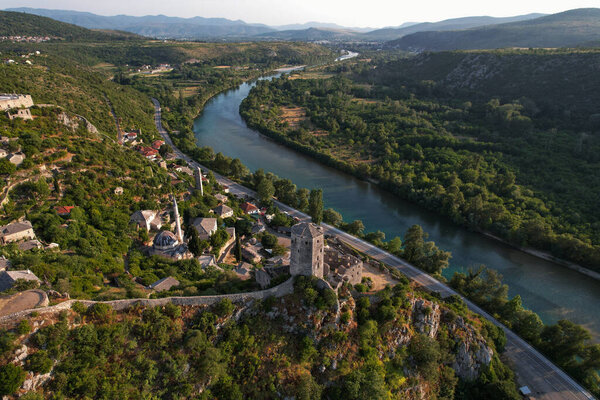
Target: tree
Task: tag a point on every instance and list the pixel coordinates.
(356, 227)
(425, 352)
(268, 240)
(315, 207)
(6, 167)
(302, 196)
(332, 217)
(414, 243)
(238, 249)
(265, 191)
(194, 242)
(39, 362)
(11, 379)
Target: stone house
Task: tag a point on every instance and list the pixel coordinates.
(8, 101)
(205, 227)
(9, 278)
(16, 158)
(223, 211)
(16, 231)
(164, 284)
(249, 208)
(146, 219)
(23, 113)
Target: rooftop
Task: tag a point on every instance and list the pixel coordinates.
(164, 284)
(15, 228)
(307, 229)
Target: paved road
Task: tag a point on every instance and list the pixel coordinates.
(546, 380)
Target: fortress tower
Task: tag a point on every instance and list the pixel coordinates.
(306, 256)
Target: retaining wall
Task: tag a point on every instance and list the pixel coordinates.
(284, 289)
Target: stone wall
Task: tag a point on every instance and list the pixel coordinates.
(15, 101)
(284, 289)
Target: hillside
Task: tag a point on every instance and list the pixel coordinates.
(445, 25)
(401, 344)
(155, 25)
(21, 24)
(568, 29)
(311, 34)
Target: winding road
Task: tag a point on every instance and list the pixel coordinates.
(544, 379)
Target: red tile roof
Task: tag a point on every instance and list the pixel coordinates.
(248, 207)
(157, 143)
(64, 210)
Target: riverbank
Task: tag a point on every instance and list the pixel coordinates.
(342, 166)
(546, 256)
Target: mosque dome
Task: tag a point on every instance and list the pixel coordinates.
(165, 240)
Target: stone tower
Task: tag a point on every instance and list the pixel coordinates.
(307, 250)
(198, 176)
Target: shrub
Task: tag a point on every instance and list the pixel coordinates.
(224, 308)
(23, 327)
(39, 362)
(11, 379)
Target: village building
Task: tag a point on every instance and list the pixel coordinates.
(64, 211)
(16, 232)
(23, 113)
(147, 219)
(250, 254)
(249, 208)
(171, 245)
(264, 276)
(185, 170)
(243, 270)
(221, 197)
(205, 227)
(164, 284)
(4, 264)
(8, 101)
(342, 268)
(16, 158)
(207, 260)
(157, 144)
(223, 211)
(9, 278)
(30, 245)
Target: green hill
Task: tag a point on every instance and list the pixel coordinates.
(21, 24)
(567, 29)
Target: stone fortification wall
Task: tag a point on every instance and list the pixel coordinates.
(8, 101)
(284, 289)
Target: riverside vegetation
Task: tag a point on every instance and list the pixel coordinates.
(490, 150)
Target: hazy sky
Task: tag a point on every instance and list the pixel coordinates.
(372, 13)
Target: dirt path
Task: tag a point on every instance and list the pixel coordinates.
(22, 301)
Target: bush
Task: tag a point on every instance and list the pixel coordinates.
(100, 312)
(39, 362)
(11, 379)
(224, 308)
(23, 327)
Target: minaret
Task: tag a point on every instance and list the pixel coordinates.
(199, 186)
(177, 221)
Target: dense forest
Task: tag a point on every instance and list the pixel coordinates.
(510, 167)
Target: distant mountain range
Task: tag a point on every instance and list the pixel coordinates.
(162, 26)
(567, 29)
(19, 24)
(446, 25)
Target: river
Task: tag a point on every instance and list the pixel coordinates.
(552, 291)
